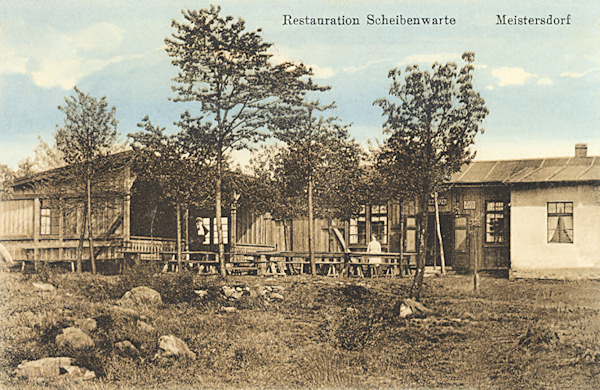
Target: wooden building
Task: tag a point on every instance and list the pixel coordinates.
(534, 217)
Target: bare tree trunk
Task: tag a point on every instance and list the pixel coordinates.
(311, 249)
(89, 222)
(439, 234)
(218, 214)
(415, 289)
(81, 239)
(178, 236)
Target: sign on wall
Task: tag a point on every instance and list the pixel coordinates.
(469, 204)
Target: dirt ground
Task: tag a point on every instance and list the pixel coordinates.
(321, 333)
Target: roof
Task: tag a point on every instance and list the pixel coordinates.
(543, 170)
(105, 163)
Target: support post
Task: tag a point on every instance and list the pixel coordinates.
(439, 234)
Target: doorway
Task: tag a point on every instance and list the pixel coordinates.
(433, 243)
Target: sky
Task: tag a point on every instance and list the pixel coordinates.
(541, 83)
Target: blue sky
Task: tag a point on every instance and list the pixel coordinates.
(541, 83)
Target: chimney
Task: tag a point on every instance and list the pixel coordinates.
(580, 150)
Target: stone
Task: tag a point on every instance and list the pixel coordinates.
(405, 311)
(88, 325)
(141, 296)
(277, 296)
(52, 367)
(228, 309)
(43, 287)
(172, 346)
(201, 293)
(124, 312)
(127, 349)
(417, 307)
(236, 295)
(74, 338)
(228, 291)
(146, 327)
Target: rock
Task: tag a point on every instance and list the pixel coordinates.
(171, 346)
(74, 338)
(141, 296)
(417, 307)
(254, 292)
(238, 288)
(352, 310)
(229, 309)
(201, 293)
(88, 325)
(228, 291)
(405, 311)
(121, 311)
(236, 295)
(43, 287)
(127, 349)
(277, 296)
(278, 289)
(53, 367)
(144, 326)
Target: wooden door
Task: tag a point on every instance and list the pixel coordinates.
(461, 248)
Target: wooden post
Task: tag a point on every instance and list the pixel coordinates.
(37, 211)
(178, 236)
(186, 226)
(439, 234)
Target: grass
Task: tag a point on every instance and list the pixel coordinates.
(326, 333)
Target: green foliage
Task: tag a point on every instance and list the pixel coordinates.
(226, 70)
(431, 121)
(431, 126)
(89, 130)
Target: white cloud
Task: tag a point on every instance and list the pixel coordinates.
(489, 87)
(354, 69)
(280, 55)
(62, 60)
(11, 62)
(578, 75)
(429, 58)
(511, 76)
(544, 81)
(322, 73)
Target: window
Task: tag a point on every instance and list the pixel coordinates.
(379, 223)
(358, 228)
(212, 231)
(495, 223)
(49, 219)
(560, 222)
(410, 227)
(410, 234)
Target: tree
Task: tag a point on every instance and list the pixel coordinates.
(88, 133)
(176, 166)
(319, 162)
(431, 124)
(227, 70)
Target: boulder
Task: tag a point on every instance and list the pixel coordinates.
(146, 327)
(52, 367)
(127, 349)
(88, 325)
(74, 338)
(277, 296)
(201, 293)
(405, 311)
(43, 287)
(172, 346)
(229, 309)
(141, 296)
(417, 307)
(124, 312)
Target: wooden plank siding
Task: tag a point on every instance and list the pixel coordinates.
(489, 256)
